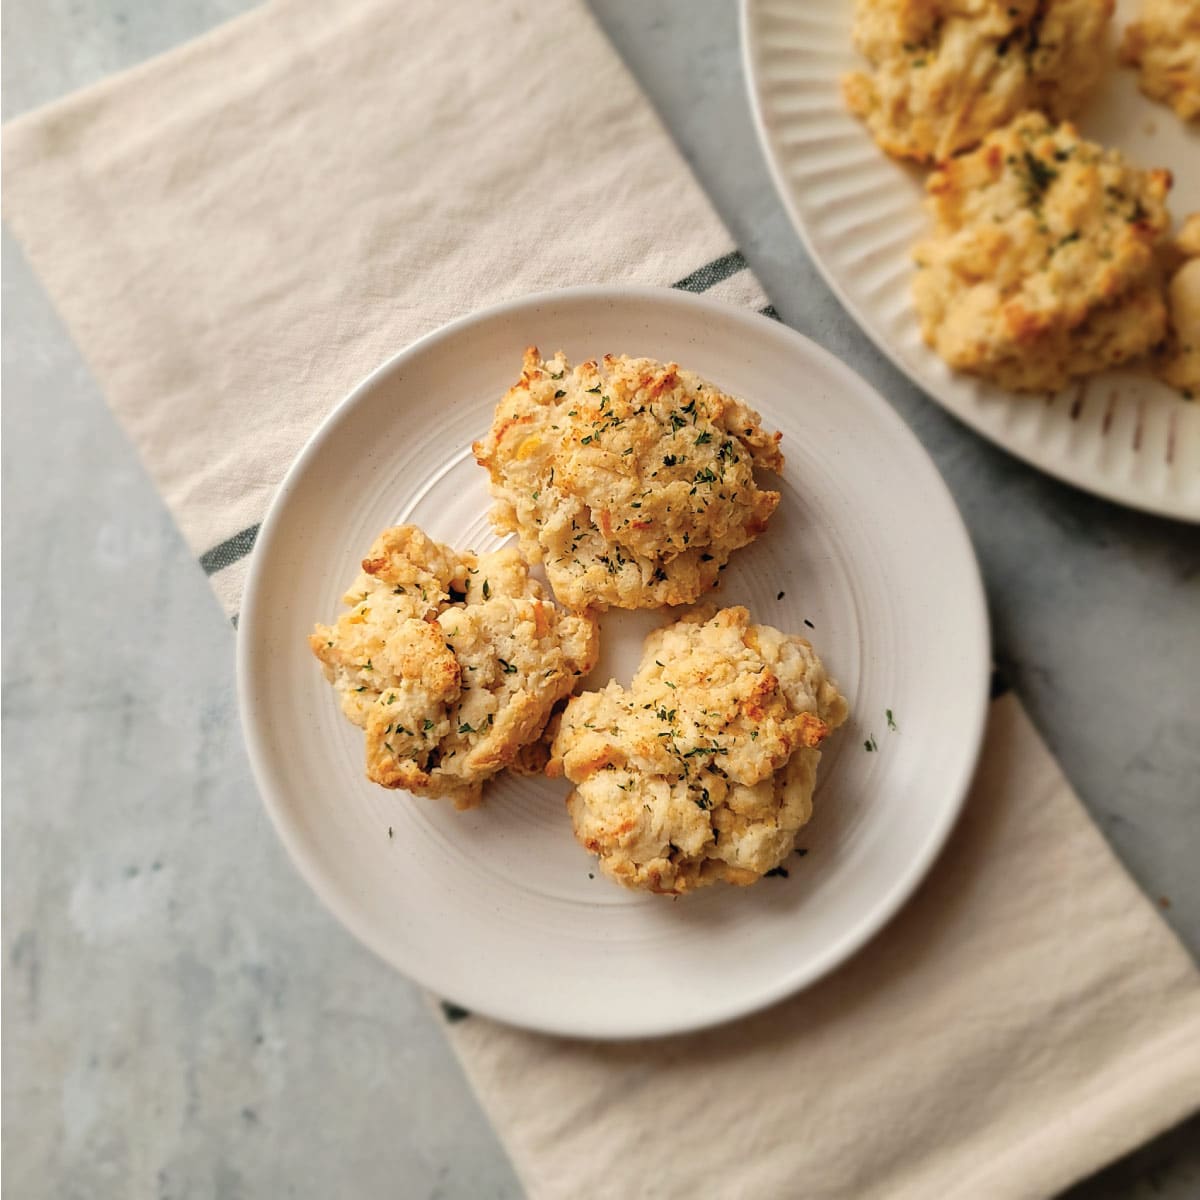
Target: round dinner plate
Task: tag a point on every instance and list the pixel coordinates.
(499, 909)
(1121, 434)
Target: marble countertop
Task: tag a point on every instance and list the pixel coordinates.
(181, 1017)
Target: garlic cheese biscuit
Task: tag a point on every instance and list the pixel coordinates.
(631, 480)
(1041, 264)
(947, 72)
(450, 662)
(1164, 42)
(703, 769)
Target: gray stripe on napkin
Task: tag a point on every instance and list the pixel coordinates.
(230, 550)
(712, 273)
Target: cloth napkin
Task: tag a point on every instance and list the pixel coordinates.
(237, 232)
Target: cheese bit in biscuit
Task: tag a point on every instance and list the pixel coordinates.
(1041, 265)
(451, 662)
(1164, 42)
(944, 73)
(1180, 366)
(631, 480)
(703, 769)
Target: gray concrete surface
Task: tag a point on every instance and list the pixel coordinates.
(181, 1018)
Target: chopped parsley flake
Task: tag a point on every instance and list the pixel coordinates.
(1040, 176)
(870, 745)
(487, 590)
(509, 669)
(890, 720)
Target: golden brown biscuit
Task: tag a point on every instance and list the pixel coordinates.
(703, 769)
(945, 73)
(631, 480)
(451, 662)
(1041, 265)
(1164, 42)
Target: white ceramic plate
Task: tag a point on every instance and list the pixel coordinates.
(1122, 435)
(497, 909)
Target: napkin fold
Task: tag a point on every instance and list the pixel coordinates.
(239, 231)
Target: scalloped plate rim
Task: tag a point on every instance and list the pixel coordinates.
(1117, 491)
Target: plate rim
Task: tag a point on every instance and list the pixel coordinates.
(1113, 491)
(307, 863)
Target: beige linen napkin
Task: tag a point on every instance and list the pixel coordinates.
(239, 231)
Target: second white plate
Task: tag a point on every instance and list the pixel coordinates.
(499, 909)
(1122, 434)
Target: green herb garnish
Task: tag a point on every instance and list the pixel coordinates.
(1040, 176)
